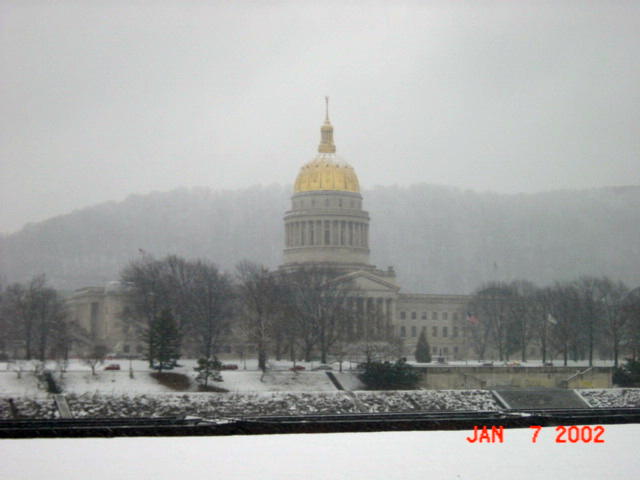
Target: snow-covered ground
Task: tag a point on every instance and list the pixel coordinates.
(278, 392)
(241, 381)
(79, 380)
(441, 455)
(613, 397)
(416, 400)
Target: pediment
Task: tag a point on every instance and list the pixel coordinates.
(369, 282)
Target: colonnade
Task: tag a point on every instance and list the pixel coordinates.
(374, 316)
(327, 232)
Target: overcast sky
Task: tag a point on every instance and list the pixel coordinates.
(101, 101)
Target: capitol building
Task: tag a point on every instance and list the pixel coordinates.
(327, 227)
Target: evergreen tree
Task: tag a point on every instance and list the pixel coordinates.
(423, 354)
(163, 341)
(208, 368)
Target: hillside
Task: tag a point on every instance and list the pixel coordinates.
(440, 239)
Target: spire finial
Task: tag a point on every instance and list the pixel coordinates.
(326, 117)
(326, 132)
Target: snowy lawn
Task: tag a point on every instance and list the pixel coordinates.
(241, 381)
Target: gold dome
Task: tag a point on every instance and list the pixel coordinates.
(325, 172)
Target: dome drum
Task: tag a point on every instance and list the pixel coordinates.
(327, 200)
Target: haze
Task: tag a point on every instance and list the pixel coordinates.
(101, 101)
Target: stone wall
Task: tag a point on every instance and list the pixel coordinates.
(491, 377)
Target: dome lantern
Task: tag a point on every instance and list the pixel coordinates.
(326, 171)
(326, 133)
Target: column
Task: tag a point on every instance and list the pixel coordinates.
(360, 317)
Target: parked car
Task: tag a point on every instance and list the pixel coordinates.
(297, 368)
(229, 366)
(112, 366)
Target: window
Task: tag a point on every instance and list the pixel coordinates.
(445, 350)
(126, 349)
(424, 315)
(424, 330)
(445, 332)
(403, 331)
(413, 315)
(455, 316)
(403, 315)
(414, 331)
(455, 350)
(434, 316)
(444, 315)
(340, 202)
(139, 349)
(326, 202)
(434, 332)
(455, 331)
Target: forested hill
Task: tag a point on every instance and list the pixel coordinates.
(440, 239)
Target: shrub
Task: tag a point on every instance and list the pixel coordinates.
(389, 376)
(50, 382)
(175, 381)
(627, 375)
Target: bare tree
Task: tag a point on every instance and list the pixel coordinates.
(261, 305)
(207, 302)
(319, 299)
(95, 356)
(523, 311)
(543, 320)
(591, 291)
(492, 305)
(631, 309)
(18, 321)
(35, 316)
(150, 291)
(198, 295)
(564, 308)
(612, 296)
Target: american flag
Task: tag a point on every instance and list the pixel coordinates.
(472, 318)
